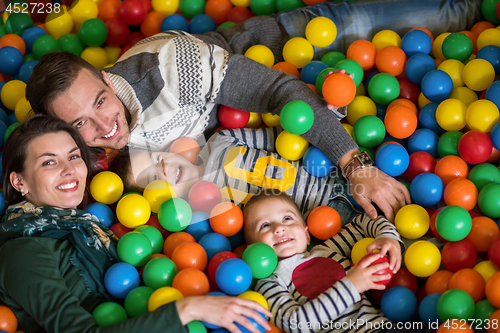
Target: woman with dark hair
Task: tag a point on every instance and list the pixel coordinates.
(54, 256)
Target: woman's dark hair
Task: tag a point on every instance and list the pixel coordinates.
(14, 150)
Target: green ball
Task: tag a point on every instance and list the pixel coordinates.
(383, 88)
(455, 304)
(109, 313)
(175, 214)
(296, 117)
(43, 45)
(484, 174)
(489, 11)
(226, 25)
(369, 131)
(354, 68)
(261, 258)
(263, 7)
(320, 81)
(154, 236)
(489, 200)
(196, 326)
(453, 223)
(2, 30)
(159, 272)
(136, 302)
(93, 32)
(28, 57)
(448, 143)
(282, 5)
(70, 43)
(134, 248)
(457, 46)
(483, 311)
(332, 58)
(17, 23)
(9, 130)
(191, 8)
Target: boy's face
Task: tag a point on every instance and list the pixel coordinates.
(279, 224)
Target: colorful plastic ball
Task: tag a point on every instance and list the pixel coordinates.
(362, 51)
(174, 239)
(491, 53)
(287, 68)
(233, 276)
(400, 122)
(454, 69)
(392, 159)
(448, 143)
(233, 118)
(453, 223)
(409, 90)
(30, 35)
(201, 23)
(132, 12)
(102, 212)
(189, 255)
(165, 7)
(191, 8)
(417, 66)
(391, 59)
(136, 301)
(412, 221)
(422, 258)
(216, 260)
(8, 321)
(427, 309)
(83, 10)
(459, 255)
(238, 14)
(263, 7)
(483, 311)
(478, 74)
(226, 218)
(117, 32)
(461, 192)
(310, 71)
(254, 121)
(254, 296)
(488, 36)
(457, 46)
(399, 303)
(204, 196)
(321, 31)
(451, 114)
(291, 146)
(494, 252)
(199, 225)
(359, 107)
(214, 243)
(260, 53)
(482, 115)
(109, 9)
(438, 282)
(383, 88)
(385, 38)
(298, 51)
(331, 58)
(317, 163)
(191, 282)
(426, 189)
(455, 304)
(271, 120)
(383, 271)
(339, 89)
(475, 147)
(495, 135)
(11, 60)
(70, 43)
(187, 148)
(134, 248)
(174, 22)
(174, 214)
(154, 235)
(159, 272)
(320, 79)
(489, 200)
(96, 56)
(369, 131)
(416, 41)
(420, 162)
(163, 296)
(58, 24)
(353, 68)
(109, 313)
(261, 259)
(484, 174)
(17, 23)
(120, 279)
(436, 85)
(359, 249)
(425, 140)
(470, 281)
(133, 210)
(106, 187)
(157, 192)
(296, 117)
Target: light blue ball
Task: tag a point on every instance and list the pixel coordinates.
(416, 41)
(214, 243)
(102, 212)
(317, 163)
(233, 276)
(199, 225)
(399, 303)
(426, 189)
(392, 159)
(121, 278)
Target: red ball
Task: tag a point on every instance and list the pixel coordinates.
(324, 222)
(125, 49)
(134, 38)
(475, 147)
(153, 221)
(119, 229)
(433, 225)
(204, 196)
(420, 162)
(233, 118)
(238, 14)
(216, 260)
(226, 219)
(494, 252)
(132, 12)
(118, 32)
(409, 90)
(382, 271)
(404, 278)
(459, 255)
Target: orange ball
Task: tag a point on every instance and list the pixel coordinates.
(461, 192)
(484, 230)
(218, 9)
(404, 102)
(14, 41)
(363, 51)
(287, 68)
(324, 222)
(189, 255)
(175, 239)
(480, 26)
(109, 9)
(494, 316)
(226, 219)
(239, 250)
(152, 24)
(455, 326)
(339, 89)
(400, 122)
(492, 290)
(451, 167)
(313, 87)
(391, 59)
(8, 321)
(191, 282)
(187, 148)
(469, 281)
(438, 282)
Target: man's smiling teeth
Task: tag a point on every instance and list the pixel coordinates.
(66, 186)
(113, 131)
(283, 240)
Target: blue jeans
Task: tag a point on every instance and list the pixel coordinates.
(339, 200)
(362, 19)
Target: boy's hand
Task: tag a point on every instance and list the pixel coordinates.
(362, 276)
(388, 245)
(341, 71)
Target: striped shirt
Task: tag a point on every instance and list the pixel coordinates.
(333, 305)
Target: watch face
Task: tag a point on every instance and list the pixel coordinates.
(365, 158)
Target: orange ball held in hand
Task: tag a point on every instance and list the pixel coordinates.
(187, 148)
(339, 89)
(324, 222)
(226, 219)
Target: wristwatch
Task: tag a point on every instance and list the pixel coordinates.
(359, 161)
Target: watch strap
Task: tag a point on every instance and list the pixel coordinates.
(359, 161)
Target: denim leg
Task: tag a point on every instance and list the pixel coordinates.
(339, 200)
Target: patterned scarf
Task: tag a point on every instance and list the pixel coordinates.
(93, 243)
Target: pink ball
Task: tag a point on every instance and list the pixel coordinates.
(475, 147)
(204, 196)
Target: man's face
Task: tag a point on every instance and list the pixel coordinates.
(93, 108)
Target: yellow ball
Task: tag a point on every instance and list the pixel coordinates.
(58, 24)
(437, 47)
(298, 51)
(133, 210)
(261, 54)
(412, 221)
(291, 146)
(12, 92)
(486, 269)
(464, 94)
(22, 110)
(482, 115)
(321, 31)
(106, 187)
(386, 38)
(165, 7)
(359, 107)
(361, 90)
(157, 192)
(96, 56)
(83, 10)
(488, 37)
(422, 258)
(349, 129)
(359, 249)
(454, 69)
(163, 296)
(271, 120)
(255, 120)
(113, 53)
(450, 114)
(478, 74)
(422, 100)
(254, 296)
(241, 3)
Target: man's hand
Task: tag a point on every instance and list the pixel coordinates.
(341, 71)
(362, 275)
(390, 245)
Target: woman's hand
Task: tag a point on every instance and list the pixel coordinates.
(362, 275)
(223, 311)
(341, 71)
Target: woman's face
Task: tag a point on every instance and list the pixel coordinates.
(54, 172)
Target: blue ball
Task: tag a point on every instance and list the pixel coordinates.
(233, 276)
(254, 323)
(317, 163)
(201, 23)
(493, 93)
(12, 119)
(199, 225)
(490, 53)
(208, 325)
(427, 309)
(416, 41)
(121, 278)
(174, 22)
(417, 66)
(2, 202)
(427, 118)
(11, 60)
(30, 35)
(398, 303)
(3, 128)
(102, 212)
(392, 159)
(26, 70)
(237, 239)
(3, 116)
(436, 85)
(381, 110)
(426, 189)
(310, 71)
(423, 139)
(495, 135)
(219, 330)
(214, 243)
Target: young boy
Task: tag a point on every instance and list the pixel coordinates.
(310, 291)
